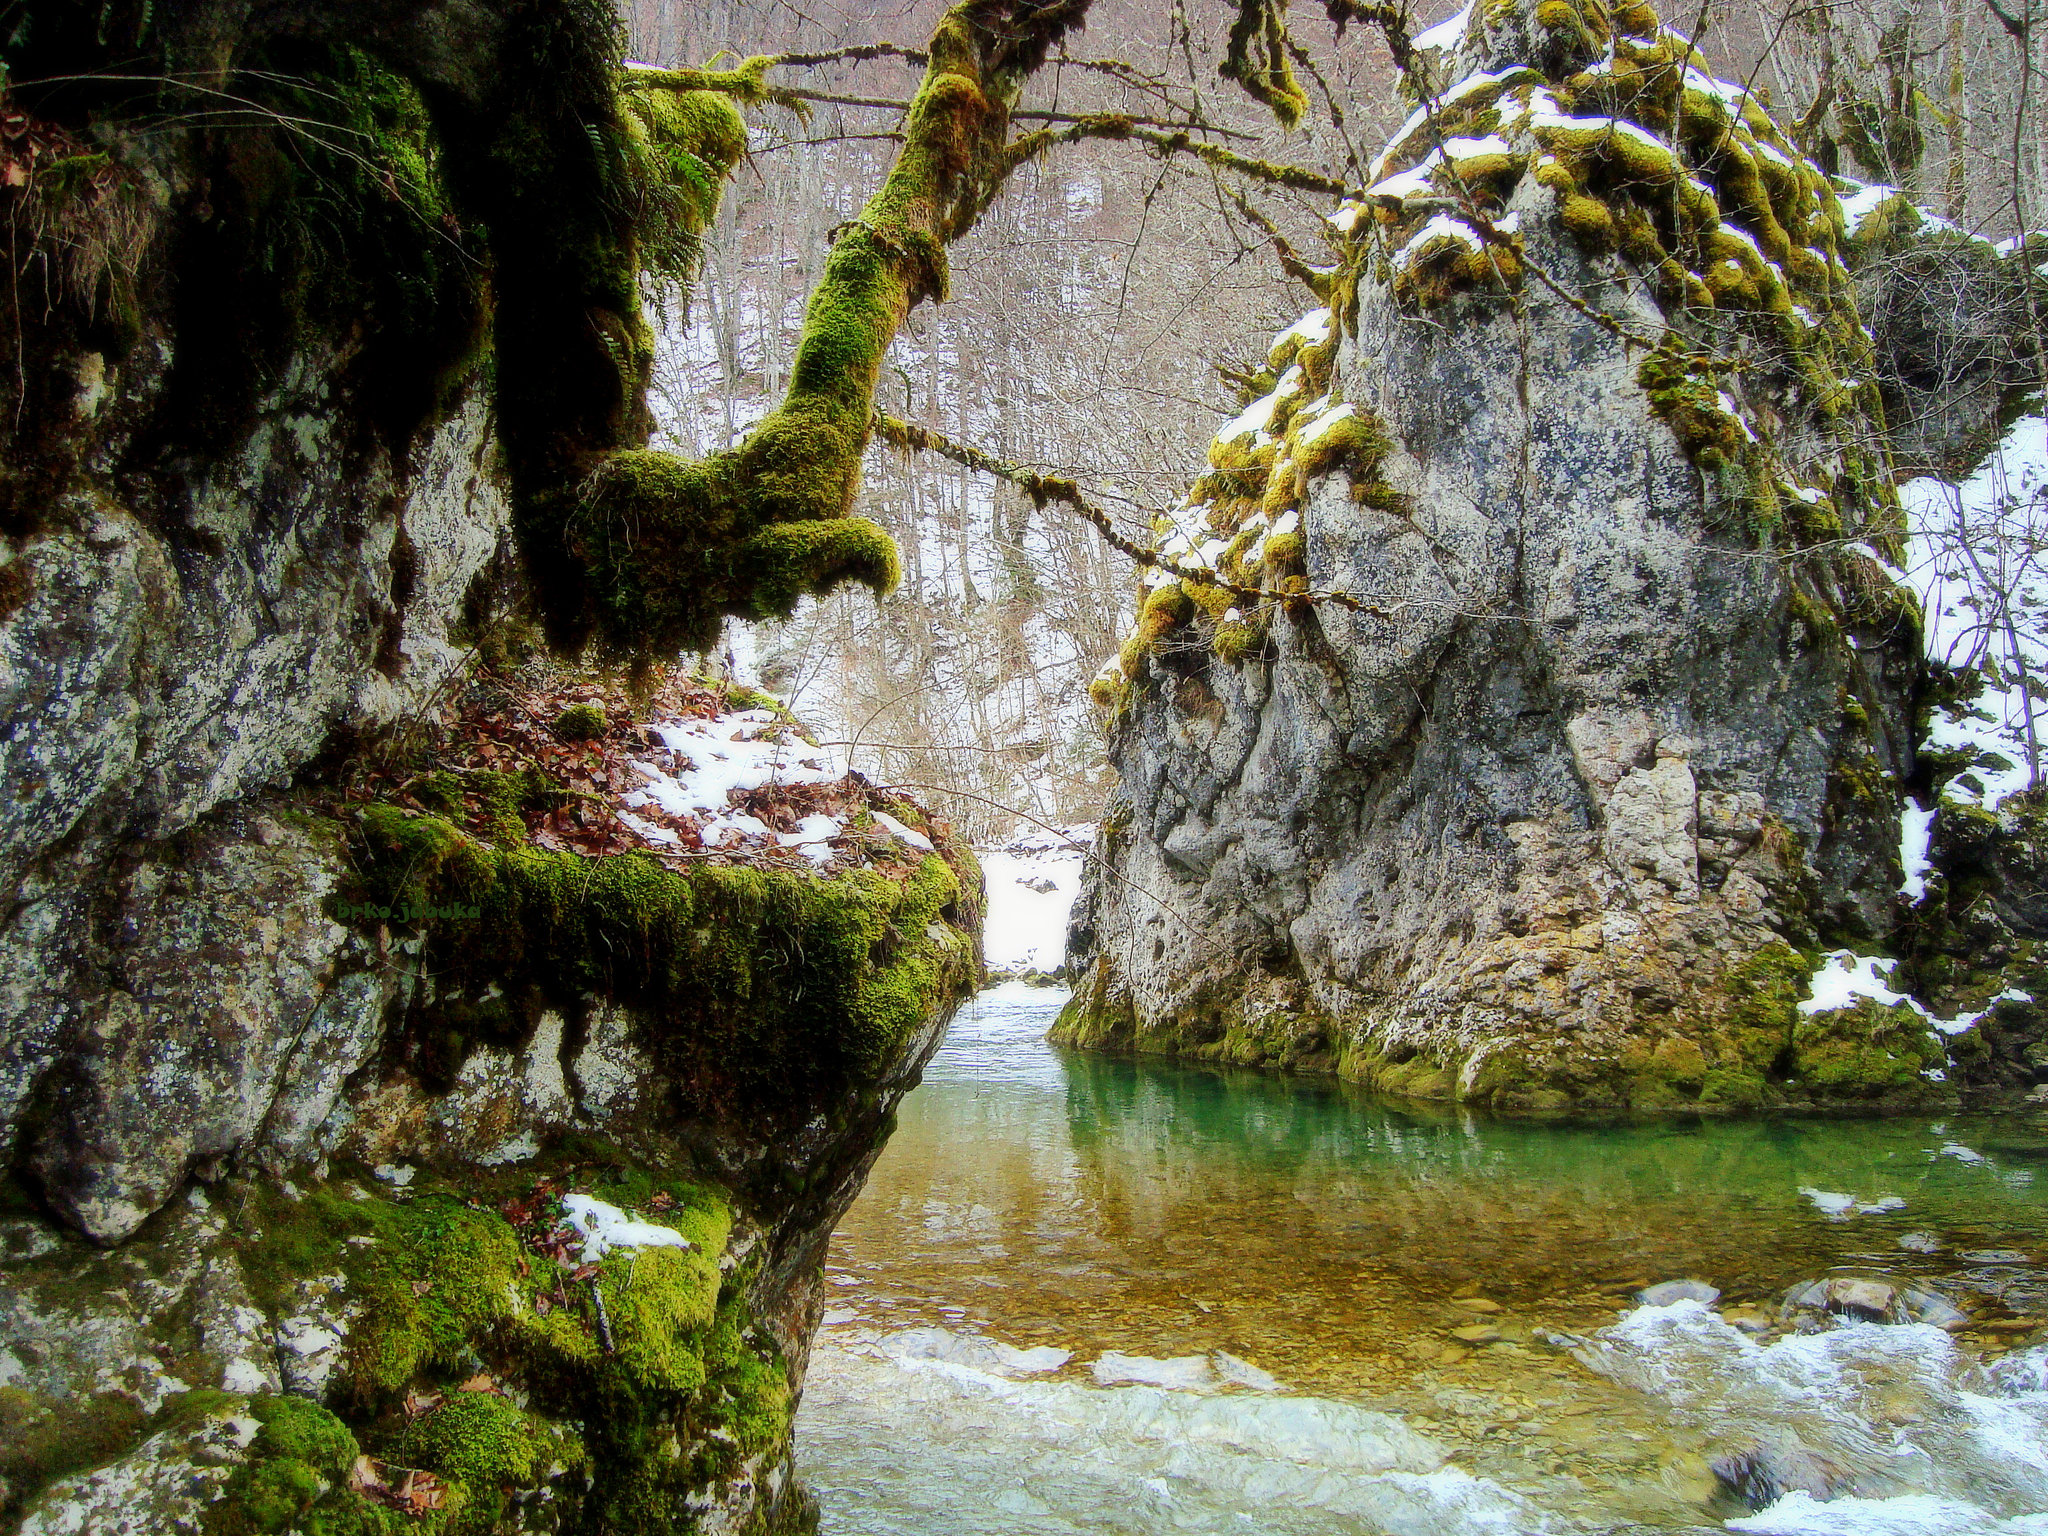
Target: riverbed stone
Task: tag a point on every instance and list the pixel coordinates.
(1665, 1292)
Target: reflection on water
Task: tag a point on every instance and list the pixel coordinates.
(1435, 1266)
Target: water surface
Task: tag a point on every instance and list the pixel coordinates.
(1302, 1235)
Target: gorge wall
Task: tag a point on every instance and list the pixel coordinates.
(1573, 726)
(327, 1070)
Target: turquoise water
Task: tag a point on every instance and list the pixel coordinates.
(1438, 1308)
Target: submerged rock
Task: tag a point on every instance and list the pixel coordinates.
(1760, 1476)
(1667, 1291)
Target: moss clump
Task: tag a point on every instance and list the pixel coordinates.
(1589, 222)
(292, 1479)
(1235, 641)
(1866, 1052)
(581, 722)
(1693, 406)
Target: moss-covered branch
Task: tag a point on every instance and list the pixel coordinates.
(1177, 141)
(1046, 489)
(1256, 59)
(647, 552)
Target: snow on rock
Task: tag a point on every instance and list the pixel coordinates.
(1916, 828)
(711, 759)
(1446, 34)
(605, 1228)
(1842, 978)
(905, 834)
(1031, 885)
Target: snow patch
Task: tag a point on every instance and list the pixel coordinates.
(605, 1228)
(1446, 34)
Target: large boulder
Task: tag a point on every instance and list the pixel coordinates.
(1580, 721)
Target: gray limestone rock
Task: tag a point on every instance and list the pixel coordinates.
(165, 1485)
(1546, 815)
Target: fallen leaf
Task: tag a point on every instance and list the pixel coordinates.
(365, 1478)
(419, 1404)
(584, 1271)
(422, 1287)
(422, 1493)
(543, 1304)
(479, 1383)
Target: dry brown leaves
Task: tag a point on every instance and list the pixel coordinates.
(408, 1489)
(508, 725)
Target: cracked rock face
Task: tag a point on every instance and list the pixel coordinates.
(1549, 823)
(168, 980)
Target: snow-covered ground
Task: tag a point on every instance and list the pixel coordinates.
(1974, 558)
(1976, 562)
(1031, 887)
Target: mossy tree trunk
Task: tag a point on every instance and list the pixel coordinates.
(647, 552)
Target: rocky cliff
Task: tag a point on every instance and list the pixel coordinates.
(1547, 714)
(399, 1132)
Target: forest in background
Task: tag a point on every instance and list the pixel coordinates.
(1100, 309)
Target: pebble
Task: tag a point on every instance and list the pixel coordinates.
(1475, 1304)
(1476, 1333)
(1748, 1319)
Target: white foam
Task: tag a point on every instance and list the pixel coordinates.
(1063, 1458)
(1916, 1514)
(1183, 1373)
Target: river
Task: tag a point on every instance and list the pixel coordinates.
(1082, 1294)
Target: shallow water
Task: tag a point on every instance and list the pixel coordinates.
(1193, 1231)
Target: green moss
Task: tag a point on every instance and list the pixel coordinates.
(1285, 551)
(1759, 1006)
(293, 1477)
(754, 987)
(1866, 1051)
(299, 1429)
(581, 722)
(653, 1355)
(1096, 1015)
(1235, 641)
(1589, 222)
(44, 1439)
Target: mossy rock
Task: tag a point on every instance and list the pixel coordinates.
(649, 1374)
(755, 991)
(1867, 1051)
